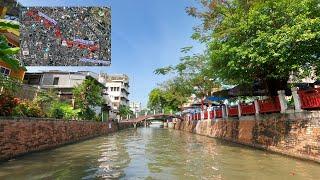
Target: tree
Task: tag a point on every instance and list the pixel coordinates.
(156, 100)
(170, 95)
(45, 99)
(87, 96)
(193, 76)
(260, 40)
(124, 111)
(62, 110)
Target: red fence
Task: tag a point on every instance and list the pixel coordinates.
(247, 109)
(269, 105)
(218, 113)
(198, 116)
(233, 111)
(310, 99)
(206, 115)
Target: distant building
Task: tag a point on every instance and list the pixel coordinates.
(135, 107)
(117, 87)
(64, 83)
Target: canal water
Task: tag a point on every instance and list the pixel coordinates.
(155, 153)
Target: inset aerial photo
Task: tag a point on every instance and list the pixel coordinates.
(65, 36)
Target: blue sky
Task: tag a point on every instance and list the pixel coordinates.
(146, 34)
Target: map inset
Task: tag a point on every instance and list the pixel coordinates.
(65, 36)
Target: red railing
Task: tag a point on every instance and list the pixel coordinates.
(195, 116)
(218, 113)
(269, 105)
(233, 111)
(211, 115)
(247, 109)
(310, 99)
(205, 114)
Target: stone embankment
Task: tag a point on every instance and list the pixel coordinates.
(22, 136)
(296, 134)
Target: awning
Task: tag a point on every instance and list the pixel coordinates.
(216, 98)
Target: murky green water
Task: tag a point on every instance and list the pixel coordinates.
(154, 153)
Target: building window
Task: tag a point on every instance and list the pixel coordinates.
(5, 71)
(116, 98)
(118, 88)
(55, 81)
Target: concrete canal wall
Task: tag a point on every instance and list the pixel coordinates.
(22, 136)
(296, 134)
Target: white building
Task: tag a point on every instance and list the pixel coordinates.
(117, 87)
(135, 107)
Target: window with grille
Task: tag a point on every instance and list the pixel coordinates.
(5, 71)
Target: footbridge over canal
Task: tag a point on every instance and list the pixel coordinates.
(147, 118)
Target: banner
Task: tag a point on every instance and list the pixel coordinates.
(54, 22)
(84, 42)
(95, 61)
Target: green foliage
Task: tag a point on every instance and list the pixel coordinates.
(45, 99)
(124, 111)
(62, 110)
(26, 108)
(156, 99)
(260, 40)
(46, 96)
(170, 95)
(98, 117)
(86, 114)
(9, 85)
(247, 41)
(192, 76)
(87, 95)
(7, 104)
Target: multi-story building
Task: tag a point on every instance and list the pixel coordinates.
(117, 87)
(64, 82)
